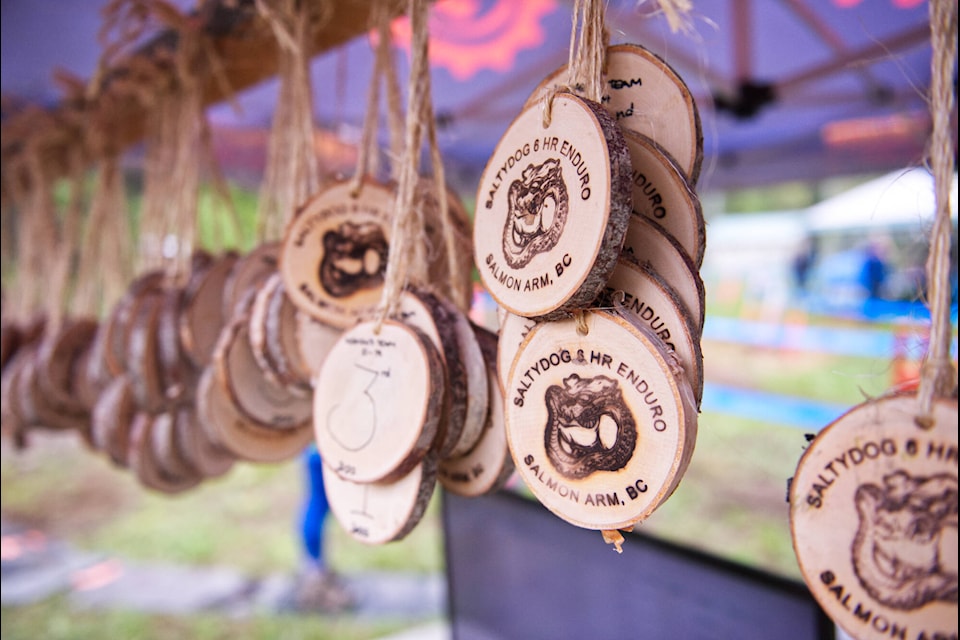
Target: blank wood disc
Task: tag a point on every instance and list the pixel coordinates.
(335, 250)
(487, 466)
(380, 512)
(662, 194)
(377, 401)
(873, 515)
(601, 426)
(272, 332)
(239, 435)
(646, 95)
(655, 304)
(553, 205)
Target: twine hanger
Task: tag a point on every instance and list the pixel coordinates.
(408, 258)
(938, 377)
(293, 170)
(384, 71)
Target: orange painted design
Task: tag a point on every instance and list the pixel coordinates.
(469, 35)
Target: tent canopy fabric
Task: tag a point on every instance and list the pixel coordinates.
(897, 199)
(786, 89)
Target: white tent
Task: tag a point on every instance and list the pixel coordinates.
(899, 199)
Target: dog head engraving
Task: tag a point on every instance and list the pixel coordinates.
(905, 550)
(354, 258)
(537, 211)
(589, 426)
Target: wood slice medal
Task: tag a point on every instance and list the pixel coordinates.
(202, 316)
(873, 515)
(654, 303)
(552, 209)
(422, 309)
(649, 245)
(601, 426)
(245, 277)
(488, 465)
(377, 401)
(646, 95)
(314, 340)
(513, 330)
(334, 254)
(661, 194)
(380, 512)
(195, 441)
(235, 432)
(255, 396)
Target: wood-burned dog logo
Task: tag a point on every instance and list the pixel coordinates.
(538, 205)
(589, 427)
(354, 258)
(899, 553)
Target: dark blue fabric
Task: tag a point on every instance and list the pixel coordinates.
(315, 507)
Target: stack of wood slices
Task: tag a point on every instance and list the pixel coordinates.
(589, 236)
(402, 402)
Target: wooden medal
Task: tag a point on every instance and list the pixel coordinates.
(654, 303)
(335, 249)
(377, 401)
(202, 315)
(117, 326)
(647, 244)
(873, 515)
(57, 401)
(646, 95)
(197, 446)
(381, 512)
(464, 408)
(552, 209)
(272, 332)
(143, 358)
(423, 310)
(178, 375)
(245, 277)
(236, 433)
(111, 419)
(143, 457)
(166, 452)
(662, 195)
(601, 426)
(314, 341)
(487, 466)
(260, 399)
(513, 330)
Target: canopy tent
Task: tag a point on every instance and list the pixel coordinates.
(787, 90)
(897, 199)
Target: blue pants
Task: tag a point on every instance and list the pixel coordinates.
(315, 507)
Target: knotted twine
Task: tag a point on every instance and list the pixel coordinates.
(293, 170)
(384, 71)
(938, 377)
(408, 259)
